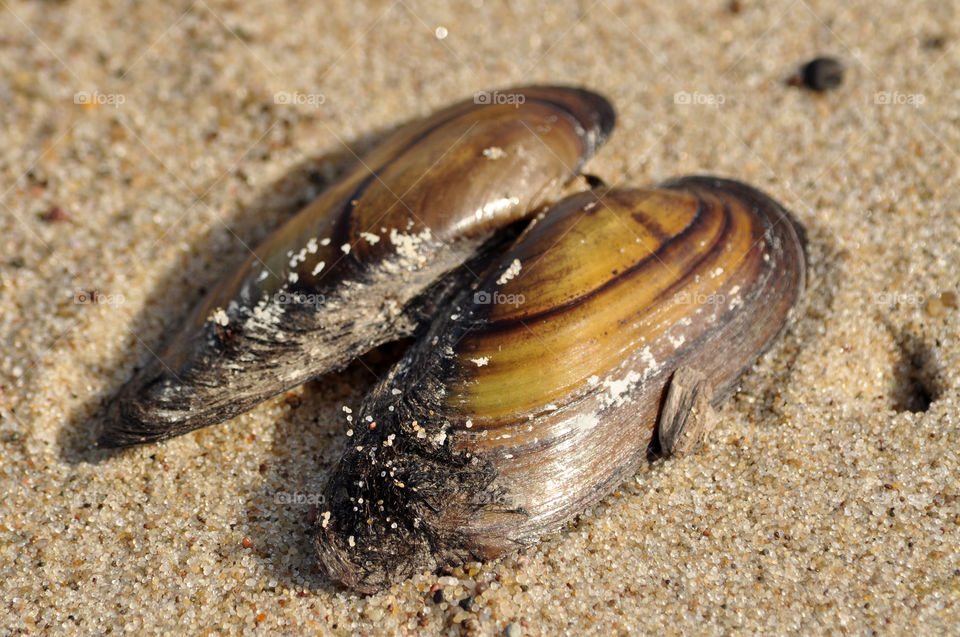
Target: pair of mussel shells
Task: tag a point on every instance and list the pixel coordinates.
(542, 363)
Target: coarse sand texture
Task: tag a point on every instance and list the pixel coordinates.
(147, 146)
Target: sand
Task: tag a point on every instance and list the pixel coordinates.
(828, 498)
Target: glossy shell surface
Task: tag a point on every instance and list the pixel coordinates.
(364, 262)
(538, 391)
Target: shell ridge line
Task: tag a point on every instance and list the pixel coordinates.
(694, 269)
(650, 222)
(762, 283)
(513, 323)
(761, 205)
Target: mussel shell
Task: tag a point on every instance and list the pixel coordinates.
(539, 391)
(353, 269)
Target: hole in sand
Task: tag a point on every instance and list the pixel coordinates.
(916, 373)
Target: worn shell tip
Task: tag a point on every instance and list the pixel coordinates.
(123, 427)
(600, 116)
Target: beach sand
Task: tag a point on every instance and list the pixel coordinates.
(144, 150)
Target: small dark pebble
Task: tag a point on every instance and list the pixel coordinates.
(594, 182)
(56, 214)
(317, 177)
(821, 74)
(438, 597)
(467, 603)
(36, 179)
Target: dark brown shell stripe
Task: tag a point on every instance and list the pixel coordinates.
(783, 277)
(254, 336)
(654, 273)
(507, 328)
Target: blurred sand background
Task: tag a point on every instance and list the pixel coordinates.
(827, 499)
